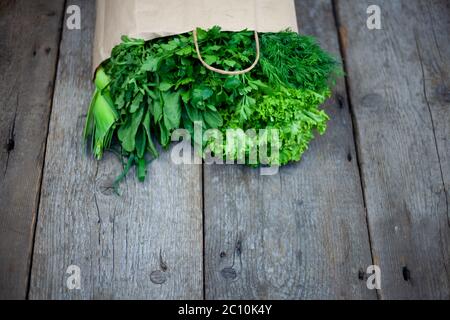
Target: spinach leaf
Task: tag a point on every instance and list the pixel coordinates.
(172, 110)
(127, 132)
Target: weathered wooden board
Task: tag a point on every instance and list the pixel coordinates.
(433, 47)
(145, 244)
(300, 234)
(29, 42)
(399, 84)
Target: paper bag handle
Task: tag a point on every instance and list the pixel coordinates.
(226, 72)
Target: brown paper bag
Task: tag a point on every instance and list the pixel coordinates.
(150, 19)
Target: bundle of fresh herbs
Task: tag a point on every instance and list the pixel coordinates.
(148, 89)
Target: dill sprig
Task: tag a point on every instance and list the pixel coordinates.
(297, 61)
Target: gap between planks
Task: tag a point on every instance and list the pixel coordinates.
(35, 222)
(354, 124)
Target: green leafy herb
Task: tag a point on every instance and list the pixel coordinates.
(146, 90)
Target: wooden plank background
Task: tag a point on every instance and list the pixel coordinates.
(146, 244)
(300, 234)
(399, 84)
(373, 189)
(29, 43)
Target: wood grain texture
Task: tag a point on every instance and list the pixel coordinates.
(399, 84)
(146, 244)
(300, 234)
(29, 42)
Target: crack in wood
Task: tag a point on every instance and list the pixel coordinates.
(406, 273)
(343, 45)
(162, 263)
(433, 127)
(10, 144)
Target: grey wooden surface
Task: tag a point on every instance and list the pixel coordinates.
(373, 189)
(399, 84)
(29, 43)
(300, 234)
(146, 244)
